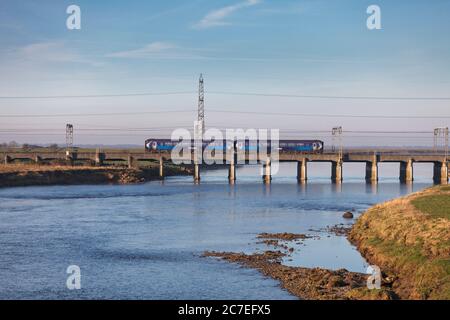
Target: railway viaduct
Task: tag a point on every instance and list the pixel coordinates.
(371, 159)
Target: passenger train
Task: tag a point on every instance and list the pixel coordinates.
(294, 146)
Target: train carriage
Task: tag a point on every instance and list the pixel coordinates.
(294, 146)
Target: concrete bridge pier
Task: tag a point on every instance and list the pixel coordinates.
(440, 172)
(161, 167)
(99, 158)
(267, 173)
(196, 172)
(336, 171)
(232, 170)
(130, 161)
(372, 172)
(406, 171)
(302, 174)
(37, 159)
(69, 157)
(8, 159)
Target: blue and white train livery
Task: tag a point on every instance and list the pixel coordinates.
(294, 146)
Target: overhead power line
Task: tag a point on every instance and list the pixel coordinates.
(58, 115)
(315, 115)
(256, 94)
(282, 95)
(392, 138)
(98, 95)
(217, 127)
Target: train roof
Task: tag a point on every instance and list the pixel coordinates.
(281, 140)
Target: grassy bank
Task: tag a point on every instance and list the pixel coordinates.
(34, 175)
(409, 239)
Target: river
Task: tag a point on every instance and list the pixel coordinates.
(145, 241)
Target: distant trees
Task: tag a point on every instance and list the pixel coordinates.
(27, 147)
(53, 147)
(13, 144)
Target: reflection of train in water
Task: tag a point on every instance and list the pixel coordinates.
(297, 146)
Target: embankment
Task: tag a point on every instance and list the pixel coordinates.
(15, 176)
(409, 239)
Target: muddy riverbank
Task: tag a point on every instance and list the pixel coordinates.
(305, 283)
(21, 175)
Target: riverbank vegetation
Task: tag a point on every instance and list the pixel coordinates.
(409, 239)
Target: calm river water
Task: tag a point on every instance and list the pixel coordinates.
(145, 241)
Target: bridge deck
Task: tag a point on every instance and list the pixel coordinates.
(406, 160)
(284, 157)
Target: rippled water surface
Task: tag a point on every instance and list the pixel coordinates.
(145, 241)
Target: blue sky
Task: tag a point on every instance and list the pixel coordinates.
(300, 47)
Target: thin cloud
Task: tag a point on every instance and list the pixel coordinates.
(150, 50)
(171, 51)
(159, 50)
(217, 17)
(48, 52)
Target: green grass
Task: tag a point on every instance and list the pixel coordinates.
(445, 264)
(422, 266)
(437, 206)
(404, 254)
(426, 274)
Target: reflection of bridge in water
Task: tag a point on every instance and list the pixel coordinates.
(406, 159)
